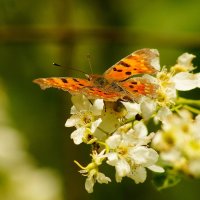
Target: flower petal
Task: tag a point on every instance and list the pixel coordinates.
(112, 158)
(132, 109)
(95, 124)
(122, 169)
(77, 135)
(148, 107)
(89, 184)
(72, 121)
(186, 81)
(97, 107)
(156, 168)
(144, 156)
(163, 114)
(140, 130)
(101, 178)
(186, 60)
(113, 141)
(138, 175)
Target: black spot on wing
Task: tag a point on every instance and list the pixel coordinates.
(128, 73)
(75, 80)
(134, 82)
(119, 70)
(124, 64)
(64, 80)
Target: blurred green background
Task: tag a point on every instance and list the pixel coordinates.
(35, 33)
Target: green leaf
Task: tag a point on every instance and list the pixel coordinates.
(165, 180)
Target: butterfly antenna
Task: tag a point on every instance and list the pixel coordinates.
(71, 68)
(89, 61)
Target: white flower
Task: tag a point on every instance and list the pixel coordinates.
(92, 171)
(130, 154)
(93, 176)
(182, 78)
(132, 109)
(177, 78)
(86, 117)
(166, 91)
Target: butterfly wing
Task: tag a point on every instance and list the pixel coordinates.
(78, 86)
(72, 85)
(137, 87)
(102, 93)
(144, 61)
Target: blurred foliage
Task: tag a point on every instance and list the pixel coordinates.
(20, 177)
(33, 34)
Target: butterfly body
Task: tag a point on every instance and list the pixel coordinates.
(120, 82)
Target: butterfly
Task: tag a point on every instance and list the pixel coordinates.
(123, 81)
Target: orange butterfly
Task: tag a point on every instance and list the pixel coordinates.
(119, 82)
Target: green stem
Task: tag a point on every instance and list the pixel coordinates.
(194, 110)
(79, 164)
(192, 102)
(106, 146)
(129, 120)
(176, 108)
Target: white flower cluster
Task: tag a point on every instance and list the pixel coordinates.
(115, 141)
(178, 78)
(118, 131)
(178, 142)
